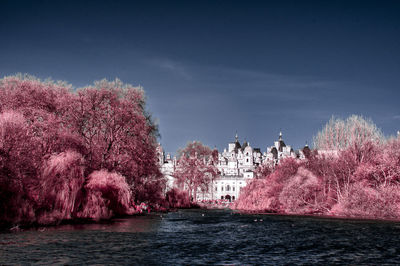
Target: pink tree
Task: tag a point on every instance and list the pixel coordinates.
(340, 134)
(177, 198)
(263, 170)
(119, 135)
(302, 194)
(195, 168)
(53, 140)
(108, 194)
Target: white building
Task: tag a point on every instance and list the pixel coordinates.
(278, 152)
(167, 166)
(236, 166)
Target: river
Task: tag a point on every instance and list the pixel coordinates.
(207, 237)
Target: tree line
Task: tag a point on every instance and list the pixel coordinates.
(90, 153)
(74, 153)
(360, 178)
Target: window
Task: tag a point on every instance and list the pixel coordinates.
(222, 197)
(233, 188)
(228, 187)
(222, 188)
(216, 188)
(233, 197)
(247, 160)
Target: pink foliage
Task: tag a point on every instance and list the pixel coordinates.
(340, 134)
(302, 193)
(54, 140)
(60, 186)
(263, 170)
(118, 134)
(263, 194)
(106, 194)
(177, 198)
(19, 163)
(367, 202)
(197, 149)
(361, 181)
(258, 196)
(195, 168)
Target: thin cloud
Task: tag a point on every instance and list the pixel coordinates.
(171, 66)
(257, 84)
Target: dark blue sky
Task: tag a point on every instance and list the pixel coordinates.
(210, 68)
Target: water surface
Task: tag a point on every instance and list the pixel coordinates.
(207, 237)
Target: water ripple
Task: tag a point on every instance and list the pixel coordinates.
(207, 237)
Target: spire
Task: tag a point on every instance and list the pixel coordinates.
(280, 135)
(306, 144)
(236, 137)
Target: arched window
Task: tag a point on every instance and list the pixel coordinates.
(222, 188)
(247, 154)
(228, 187)
(216, 188)
(233, 188)
(247, 160)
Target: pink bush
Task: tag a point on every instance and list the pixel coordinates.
(263, 170)
(60, 186)
(302, 194)
(263, 194)
(19, 162)
(195, 168)
(177, 198)
(106, 194)
(367, 202)
(53, 140)
(361, 181)
(258, 196)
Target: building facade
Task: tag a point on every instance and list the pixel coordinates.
(236, 166)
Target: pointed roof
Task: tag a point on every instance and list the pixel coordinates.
(237, 144)
(274, 152)
(281, 142)
(244, 145)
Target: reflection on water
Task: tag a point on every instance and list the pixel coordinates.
(206, 237)
(139, 224)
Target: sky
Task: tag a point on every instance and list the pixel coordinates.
(214, 68)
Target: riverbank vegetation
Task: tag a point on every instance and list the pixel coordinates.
(90, 153)
(356, 175)
(68, 154)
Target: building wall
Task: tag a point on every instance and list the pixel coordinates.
(236, 166)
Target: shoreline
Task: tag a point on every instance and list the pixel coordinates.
(321, 216)
(23, 227)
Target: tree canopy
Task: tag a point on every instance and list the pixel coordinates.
(59, 145)
(339, 134)
(196, 168)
